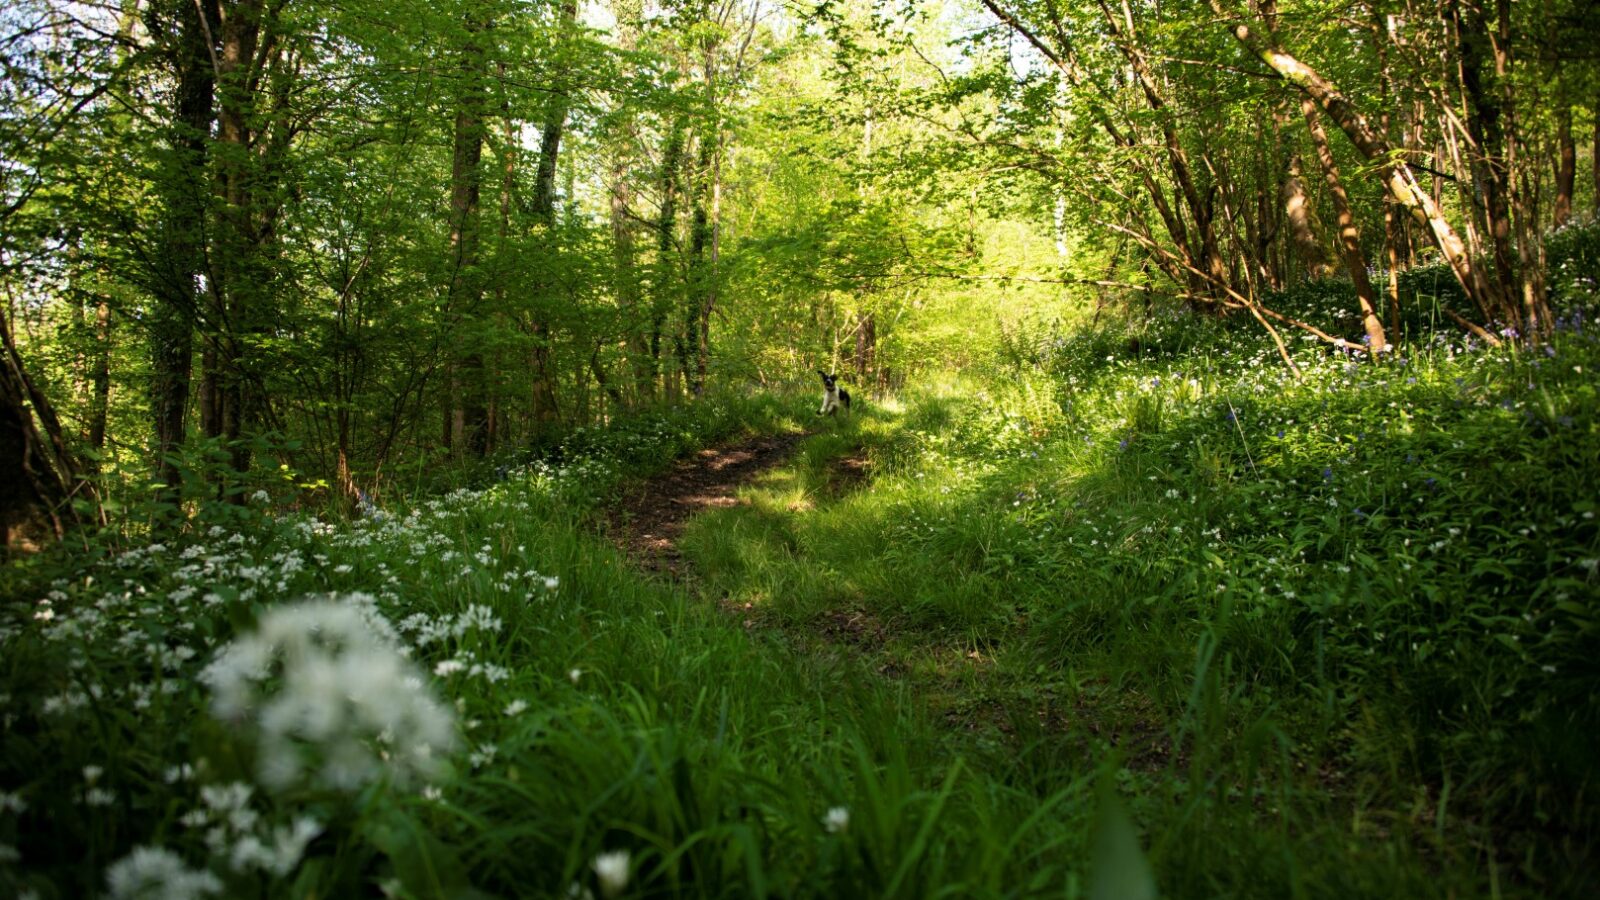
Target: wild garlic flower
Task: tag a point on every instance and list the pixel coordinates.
(155, 873)
(321, 681)
(837, 820)
(613, 871)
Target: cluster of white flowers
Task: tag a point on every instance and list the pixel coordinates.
(236, 832)
(155, 873)
(324, 683)
(424, 629)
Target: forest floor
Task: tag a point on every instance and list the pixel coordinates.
(735, 489)
(650, 519)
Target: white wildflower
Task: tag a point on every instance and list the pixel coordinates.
(612, 870)
(320, 679)
(516, 707)
(280, 855)
(154, 873)
(837, 820)
(574, 675)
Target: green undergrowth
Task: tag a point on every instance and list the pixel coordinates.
(474, 695)
(1329, 637)
(1338, 630)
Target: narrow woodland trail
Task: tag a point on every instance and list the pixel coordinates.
(651, 518)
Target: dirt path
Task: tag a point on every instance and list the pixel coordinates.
(650, 518)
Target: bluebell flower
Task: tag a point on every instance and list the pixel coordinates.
(1327, 474)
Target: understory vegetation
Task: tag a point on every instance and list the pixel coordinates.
(414, 481)
(1322, 636)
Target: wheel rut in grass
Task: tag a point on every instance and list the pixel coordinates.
(651, 517)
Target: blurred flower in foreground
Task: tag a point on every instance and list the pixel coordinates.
(153, 872)
(323, 681)
(612, 870)
(837, 819)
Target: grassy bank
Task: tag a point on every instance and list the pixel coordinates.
(1338, 630)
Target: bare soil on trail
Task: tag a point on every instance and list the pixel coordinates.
(650, 518)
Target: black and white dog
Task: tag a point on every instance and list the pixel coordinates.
(833, 396)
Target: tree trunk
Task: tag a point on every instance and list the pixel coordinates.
(100, 381)
(866, 348)
(1200, 203)
(1349, 233)
(1302, 232)
(624, 230)
(666, 276)
(467, 425)
(41, 471)
(705, 256)
(183, 224)
(1400, 182)
(1566, 166)
(1482, 73)
(545, 411)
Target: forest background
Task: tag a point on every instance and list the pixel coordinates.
(332, 259)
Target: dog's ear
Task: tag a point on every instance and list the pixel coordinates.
(822, 373)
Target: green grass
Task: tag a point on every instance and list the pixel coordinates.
(1356, 607)
(1354, 658)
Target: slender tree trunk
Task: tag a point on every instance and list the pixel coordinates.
(624, 230)
(100, 380)
(173, 314)
(467, 420)
(1302, 232)
(666, 278)
(866, 348)
(545, 410)
(705, 254)
(508, 184)
(41, 472)
(235, 278)
(1200, 203)
(1349, 233)
(1400, 182)
(1566, 166)
(625, 283)
(1270, 225)
(1482, 73)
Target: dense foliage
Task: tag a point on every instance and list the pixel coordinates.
(1215, 516)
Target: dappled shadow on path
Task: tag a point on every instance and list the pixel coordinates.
(650, 518)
